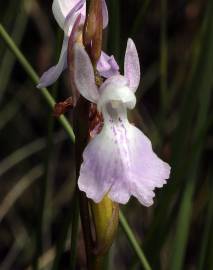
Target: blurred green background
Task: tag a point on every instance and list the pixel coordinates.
(175, 45)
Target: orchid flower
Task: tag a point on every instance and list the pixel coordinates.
(66, 12)
(119, 161)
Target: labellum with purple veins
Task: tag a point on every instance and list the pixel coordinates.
(119, 161)
(66, 13)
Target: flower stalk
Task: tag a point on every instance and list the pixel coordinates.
(105, 214)
(93, 26)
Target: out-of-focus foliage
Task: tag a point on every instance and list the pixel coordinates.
(175, 45)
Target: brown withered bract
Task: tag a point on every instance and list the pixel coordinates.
(62, 107)
(95, 121)
(92, 36)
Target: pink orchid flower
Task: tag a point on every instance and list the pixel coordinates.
(119, 161)
(66, 12)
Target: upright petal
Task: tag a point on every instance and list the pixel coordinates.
(70, 59)
(132, 65)
(105, 14)
(51, 75)
(63, 8)
(116, 81)
(84, 75)
(78, 10)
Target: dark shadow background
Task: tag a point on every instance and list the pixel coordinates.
(174, 109)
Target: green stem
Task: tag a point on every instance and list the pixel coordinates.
(45, 185)
(8, 59)
(202, 262)
(80, 112)
(35, 79)
(135, 245)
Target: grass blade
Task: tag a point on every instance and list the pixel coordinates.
(140, 17)
(207, 231)
(125, 226)
(204, 83)
(8, 58)
(35, 79)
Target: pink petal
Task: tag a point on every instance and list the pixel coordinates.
(94, 171)
(142, 170)
(61, 9)
(78, 10)
(147, 170)
(116, 81)
(107, 66)
(132, 65)
(70, 59)
(51, 75)
(84, 75)
(105, 14)
(66, 11)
